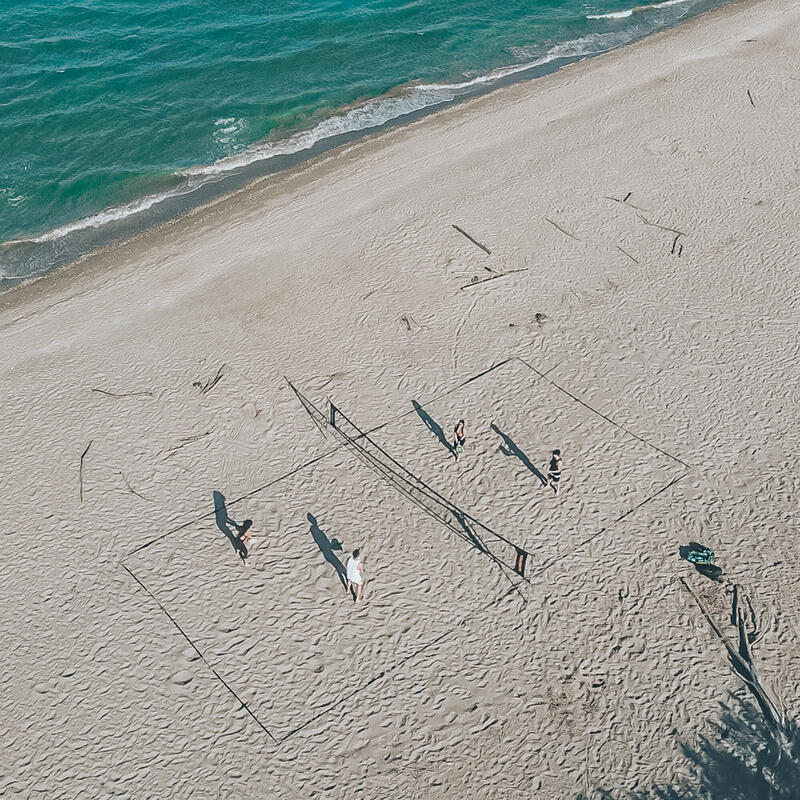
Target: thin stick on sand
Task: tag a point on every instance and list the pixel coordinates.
(494, 277)
(126, 394)
(474, 241)
(80, 469)
(565, 232)
(661, 227)
(132, 490)
(209, 385)
(752, 102)
(625, 252)
(184, 442)
(624, 201)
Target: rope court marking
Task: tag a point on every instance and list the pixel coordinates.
(350, 441)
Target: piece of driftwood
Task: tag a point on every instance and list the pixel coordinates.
(752, 102)
(741, 657)
(625, 252)
(624, 201)
(80, 469)
(184, 442)
(133, 491)
(493, 278)
(661, 227)
(210, 384)
(474, 241)
(674, 244)
(565, 232)
(124, 394)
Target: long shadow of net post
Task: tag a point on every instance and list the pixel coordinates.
(228, 526)
(433, 427)
(742, 758)
(326, 547)
(509, 448)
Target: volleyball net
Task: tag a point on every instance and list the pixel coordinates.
(505, 553)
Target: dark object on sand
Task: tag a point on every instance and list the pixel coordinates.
(702, 557)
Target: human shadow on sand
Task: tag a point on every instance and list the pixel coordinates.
(228, 526)
(434, 427)
(327, 547)
(509, 448)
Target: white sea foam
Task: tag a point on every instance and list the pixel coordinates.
(381, 110)
(629, 12)
(111, 214)
(371, 114)
(228, 129)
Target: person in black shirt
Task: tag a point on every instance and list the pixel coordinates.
(554, 471)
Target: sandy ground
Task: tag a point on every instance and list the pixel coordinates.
(141, 659)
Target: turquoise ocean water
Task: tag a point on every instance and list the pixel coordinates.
(117, 114)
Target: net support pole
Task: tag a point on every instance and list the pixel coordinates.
(519, 566)
(332, 409)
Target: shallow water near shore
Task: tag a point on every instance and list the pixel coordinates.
(120, 114)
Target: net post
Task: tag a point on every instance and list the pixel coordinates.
(519, 564)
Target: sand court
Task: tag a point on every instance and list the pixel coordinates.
(269, 628)
(515, 419)
(290, 616)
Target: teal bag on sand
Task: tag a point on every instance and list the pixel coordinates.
(704, 556)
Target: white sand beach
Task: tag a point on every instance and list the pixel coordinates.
(638, 309)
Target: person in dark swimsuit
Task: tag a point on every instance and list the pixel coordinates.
(459, 437)
(245, 532)
(554, 471)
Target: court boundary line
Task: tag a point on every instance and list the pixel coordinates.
(200, 654)
(309, 463)
(393, 667)
(392, 420)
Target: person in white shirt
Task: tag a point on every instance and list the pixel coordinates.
(355, 575)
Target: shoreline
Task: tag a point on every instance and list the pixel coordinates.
(173, 210)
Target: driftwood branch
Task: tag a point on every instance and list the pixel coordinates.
(565, 232)
(624, 201)
(80, 469)
(184, 442)
(474, 241)
(133, 491)
(625, 252)
(660, 227)
(752, 102)
(209, 385)
(494, 277)
(741, 657)
(125, 394)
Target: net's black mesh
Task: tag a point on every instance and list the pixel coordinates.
(504, 552)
